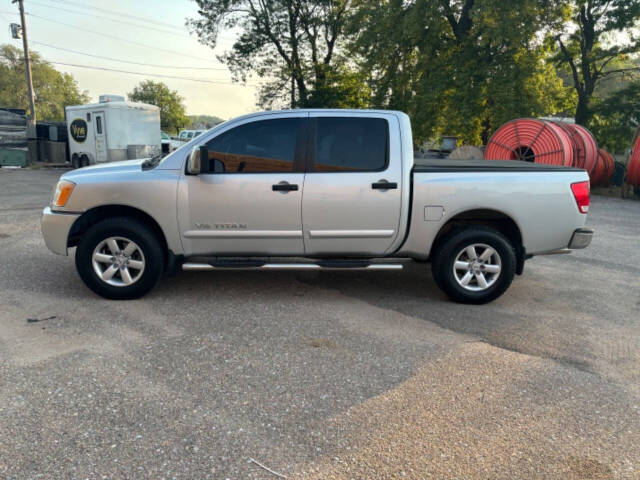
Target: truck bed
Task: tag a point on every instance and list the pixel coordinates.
(472, 165)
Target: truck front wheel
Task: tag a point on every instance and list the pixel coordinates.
(474, 265)
(120, 259)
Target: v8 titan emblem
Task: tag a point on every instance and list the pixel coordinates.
(221, 226)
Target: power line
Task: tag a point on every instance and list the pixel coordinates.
(127, 61)
(113, 20)
(119, 14)
(151, 74)
(119, 38)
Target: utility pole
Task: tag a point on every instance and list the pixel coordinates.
(31, 122)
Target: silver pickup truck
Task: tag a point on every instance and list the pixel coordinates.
(314, 189)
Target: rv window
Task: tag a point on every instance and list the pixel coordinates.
(88, 117)
(99, 125)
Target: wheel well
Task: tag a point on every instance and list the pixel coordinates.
(487, 218)
(97, 214)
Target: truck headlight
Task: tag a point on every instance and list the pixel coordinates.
(62, 193)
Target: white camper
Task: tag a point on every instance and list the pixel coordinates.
(111, 130)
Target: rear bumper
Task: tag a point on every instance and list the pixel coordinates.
(55, 229)
(581, 238)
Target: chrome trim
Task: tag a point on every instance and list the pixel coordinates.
(581, 238)
(243, 234)
(351, 233)
(290, 266)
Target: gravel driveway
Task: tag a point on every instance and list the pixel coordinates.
(337, 375)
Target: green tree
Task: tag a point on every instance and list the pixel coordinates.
(460, 67)
(172, 109)
(616, 118)
(206, 121)
(53, 90)
(293, 44)
(595, 45)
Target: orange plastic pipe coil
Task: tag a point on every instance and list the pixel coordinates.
(589, 145)
(633, 172)
(599, 176)
(531, 140)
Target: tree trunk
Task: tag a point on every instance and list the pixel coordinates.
(582, 110)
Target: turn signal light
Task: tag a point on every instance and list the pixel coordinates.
(581, 192)
(62, 193)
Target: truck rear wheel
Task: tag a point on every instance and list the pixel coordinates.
(474, 265)
(120, 259)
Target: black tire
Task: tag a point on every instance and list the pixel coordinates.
(453, 244)
(75, 161)
(132, 230)
(84, 161)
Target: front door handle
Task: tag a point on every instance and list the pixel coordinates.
(384, 185)
(284, 187)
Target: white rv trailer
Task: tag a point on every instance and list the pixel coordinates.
(112, 130)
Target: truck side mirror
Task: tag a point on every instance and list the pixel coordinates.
(198, 161)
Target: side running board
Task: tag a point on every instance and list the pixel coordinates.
(321, 265)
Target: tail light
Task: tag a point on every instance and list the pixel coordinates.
(581, 194)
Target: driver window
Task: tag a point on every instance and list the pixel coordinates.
(266, 146)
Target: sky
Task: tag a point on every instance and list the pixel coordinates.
(107, 29)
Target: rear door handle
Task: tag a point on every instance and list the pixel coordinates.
(384, 185)
(284, 187)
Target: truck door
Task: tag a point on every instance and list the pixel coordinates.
(352, 191)
(251, 204)
(100, 137)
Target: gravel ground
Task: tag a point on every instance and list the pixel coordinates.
(337, 375)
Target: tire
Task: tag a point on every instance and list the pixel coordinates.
(84, 161)
(487, 276)
(75, 162)
(132, 271)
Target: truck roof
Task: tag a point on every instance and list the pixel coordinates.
(116, 104)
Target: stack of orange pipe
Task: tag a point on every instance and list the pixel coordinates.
(553, 143)
(633, 172)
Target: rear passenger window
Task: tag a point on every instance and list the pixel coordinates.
(351, 144)
(266, 146)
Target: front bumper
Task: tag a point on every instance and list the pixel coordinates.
(55, 229)
(581, 238)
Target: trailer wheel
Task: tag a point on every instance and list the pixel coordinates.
(84, 161)
(474, 265)
(75, 161)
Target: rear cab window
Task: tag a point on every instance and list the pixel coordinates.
(350, 144)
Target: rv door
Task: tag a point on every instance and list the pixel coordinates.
(100, 136)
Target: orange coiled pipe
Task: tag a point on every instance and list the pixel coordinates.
(633, 172)
(589, 146)
(605, 168)
(531, 140)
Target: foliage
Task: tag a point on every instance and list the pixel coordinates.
(292, 44)
(53, 90)
(172, 109)
(203, 121)
(460, 67)
(616, 118)
(594, 45)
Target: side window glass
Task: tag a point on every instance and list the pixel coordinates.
(266, 146)
(99, 124)
(351, 144)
